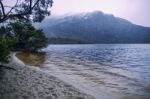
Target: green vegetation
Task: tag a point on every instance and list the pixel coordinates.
(24, 38)
(67, 41)
(16, 30)
(28, 38)
(6, 45)
(4, 51)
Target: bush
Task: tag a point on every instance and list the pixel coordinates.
(28, 38)
(20, 36)
(4, 51)
(5, 46)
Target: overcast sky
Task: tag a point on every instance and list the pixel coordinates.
(136, 11)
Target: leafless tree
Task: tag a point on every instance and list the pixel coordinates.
(34, 10)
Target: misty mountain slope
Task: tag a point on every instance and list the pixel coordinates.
(96, 27)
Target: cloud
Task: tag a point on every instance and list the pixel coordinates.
(136, 11)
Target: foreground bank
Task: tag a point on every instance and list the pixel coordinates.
(27, 82)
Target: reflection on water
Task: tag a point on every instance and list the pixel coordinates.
(111, 71)
(36, 59)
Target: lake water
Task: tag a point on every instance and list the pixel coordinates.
(105, 71)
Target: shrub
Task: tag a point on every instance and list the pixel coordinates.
(28, 37)
(4, 51)
(5, 46)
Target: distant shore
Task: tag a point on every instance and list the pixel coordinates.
(28, 82)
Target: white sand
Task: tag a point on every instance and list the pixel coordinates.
(27, 82)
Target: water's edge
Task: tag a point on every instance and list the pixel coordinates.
(32, 83)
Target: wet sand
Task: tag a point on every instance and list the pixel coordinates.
(28, 82)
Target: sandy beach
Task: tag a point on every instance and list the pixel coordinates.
(28, 82)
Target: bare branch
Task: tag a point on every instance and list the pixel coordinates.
(7, 7)
(35, 4)
(10, 14)
(3, 9)
(12, 8)
(30, 4)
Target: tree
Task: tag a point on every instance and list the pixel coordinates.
(34, 10)
(22, 10)
(28, 38)
(36, 41)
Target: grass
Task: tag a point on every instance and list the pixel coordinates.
(34, 59)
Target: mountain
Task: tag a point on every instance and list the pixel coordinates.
(95, 27)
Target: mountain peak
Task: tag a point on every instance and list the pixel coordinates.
(97, 13)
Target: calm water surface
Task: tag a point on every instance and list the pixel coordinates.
(106, 71)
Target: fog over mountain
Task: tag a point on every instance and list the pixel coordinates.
(95, 27)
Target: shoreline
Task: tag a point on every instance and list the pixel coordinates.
(28, 82)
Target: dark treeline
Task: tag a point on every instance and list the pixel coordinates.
(66, 41)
